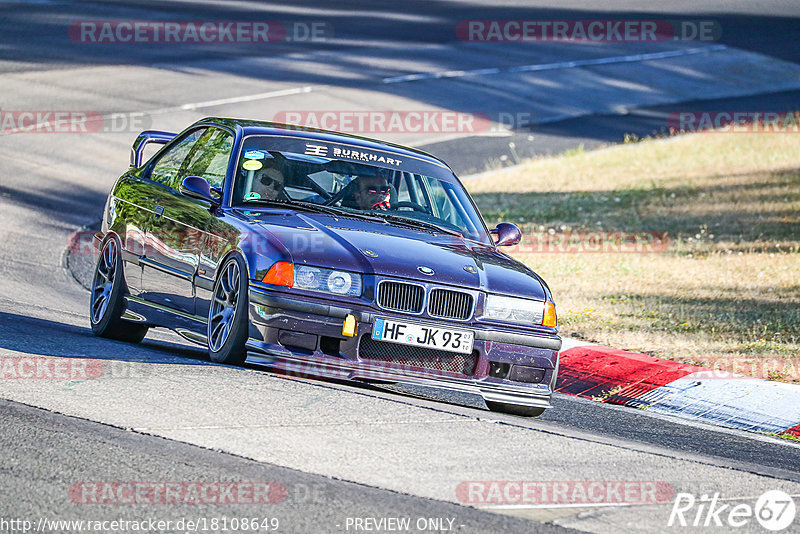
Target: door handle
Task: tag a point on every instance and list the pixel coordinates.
(158, 212)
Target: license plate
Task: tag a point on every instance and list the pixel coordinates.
(423, 335)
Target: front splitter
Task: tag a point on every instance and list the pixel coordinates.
(535, 396)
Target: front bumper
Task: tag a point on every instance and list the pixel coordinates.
(304, 338)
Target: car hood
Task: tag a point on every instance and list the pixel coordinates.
(393, 251)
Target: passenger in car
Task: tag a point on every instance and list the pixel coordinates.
(272, 184)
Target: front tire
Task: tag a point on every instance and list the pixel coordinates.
(107, 301)
(228, 324)
(515, 409)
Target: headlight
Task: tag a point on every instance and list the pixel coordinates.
(514, 309)
(340, 282)
(327, 280)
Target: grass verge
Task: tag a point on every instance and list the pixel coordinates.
(724, 291)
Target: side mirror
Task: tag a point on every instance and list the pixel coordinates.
(199, 188)
(506, 234)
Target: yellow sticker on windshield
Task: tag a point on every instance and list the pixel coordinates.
(252, 165)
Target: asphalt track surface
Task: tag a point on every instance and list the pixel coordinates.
(162, 412)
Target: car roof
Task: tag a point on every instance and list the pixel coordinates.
(253, 127)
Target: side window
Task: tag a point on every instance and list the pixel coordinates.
(168, 169)
(403, 194)
(412, 190)
(209, 157)
(443, 202)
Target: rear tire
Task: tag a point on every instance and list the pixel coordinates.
(228, 324)
(107, 299)
(515, 409)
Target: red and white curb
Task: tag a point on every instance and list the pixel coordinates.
(710, 396)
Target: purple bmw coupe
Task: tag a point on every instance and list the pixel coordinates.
(326, 255)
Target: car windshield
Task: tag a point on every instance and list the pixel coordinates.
(386, 194)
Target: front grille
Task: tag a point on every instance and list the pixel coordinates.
(450, 304)
(400, 296)
(417, 357)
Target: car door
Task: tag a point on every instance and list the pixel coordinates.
(128, 214)
(205, 229)
(170, 259)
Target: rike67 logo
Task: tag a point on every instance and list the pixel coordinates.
(774, 510)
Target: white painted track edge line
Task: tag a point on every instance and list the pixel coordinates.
(192, 106)
(631, 58)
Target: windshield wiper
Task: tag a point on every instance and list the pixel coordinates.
(339, 211)
(413, 223)
(388, 218)
(375, 216)
(286, 204)
(314, 207)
